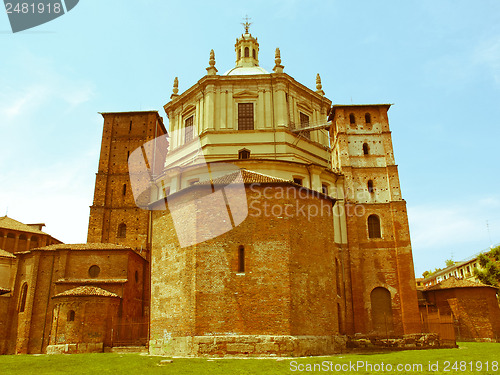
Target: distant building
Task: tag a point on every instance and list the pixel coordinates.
(460, 270)
(472, 305)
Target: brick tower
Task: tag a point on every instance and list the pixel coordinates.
(379, 251)
(114, 216)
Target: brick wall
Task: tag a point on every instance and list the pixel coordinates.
(288, 287)
(475, 310)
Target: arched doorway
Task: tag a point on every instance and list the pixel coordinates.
(380, 299)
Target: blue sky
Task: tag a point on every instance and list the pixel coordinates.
(438, 62)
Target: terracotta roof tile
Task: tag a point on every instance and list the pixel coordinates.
(84, 246)
(6, 254)
(246, 177)
(91, 281)
(85, 291)
(9, 223)
(453, 282)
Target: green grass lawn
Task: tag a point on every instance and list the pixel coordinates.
(486, 354)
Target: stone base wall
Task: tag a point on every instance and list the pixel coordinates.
(405, 342)
(251, 346)
(93, 347)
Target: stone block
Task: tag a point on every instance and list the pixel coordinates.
(240, 348)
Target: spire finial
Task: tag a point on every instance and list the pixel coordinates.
(175, 90)
(319, 86)
(247, 24)
(278, 68)
(211, 61)
(211, 70)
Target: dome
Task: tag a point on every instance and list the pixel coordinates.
(245, 71)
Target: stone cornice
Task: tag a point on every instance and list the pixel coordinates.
(245, 81)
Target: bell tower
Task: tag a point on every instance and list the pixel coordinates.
(384, 297)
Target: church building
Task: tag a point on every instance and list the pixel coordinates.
(263, 220)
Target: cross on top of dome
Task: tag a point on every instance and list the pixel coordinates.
(247, 24)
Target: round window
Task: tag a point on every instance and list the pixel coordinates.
(94, 271)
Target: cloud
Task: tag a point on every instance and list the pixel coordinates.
(25, 91)
(442, 226)
(488, 54)
(57, 194)
(442, 231)
(14, 104)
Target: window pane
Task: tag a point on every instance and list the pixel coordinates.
(374, 227)
(245, 116)
(304, 122)
(188, 129)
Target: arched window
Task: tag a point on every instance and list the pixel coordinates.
(368, 118)
(23, 243)
(247, 52)
(24, 295)
(244, 154)
(254, 53)
(366, 149)
(34, 242)
(71, 315)
(380, 300)
(10, 242)
(241, 259)
(374, 227)
(94, 271)
(124, 189)
(352, 119)
(239, 54)
(370, 186)
(122, 231)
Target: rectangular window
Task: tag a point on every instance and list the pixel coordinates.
(324, 189)
(304, 122)
(297, 180)
(245, 116)
(188, 129)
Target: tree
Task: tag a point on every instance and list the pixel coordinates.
(429, 273)
(490, 263)
(449, 262)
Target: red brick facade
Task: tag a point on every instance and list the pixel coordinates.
(114, 203)
(34, 313)
(288, 287)
(473, 306)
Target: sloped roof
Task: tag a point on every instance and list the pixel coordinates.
(9, 223)
(6, 254)
(453, 282)
(84, 246)
(86, 291)
(245, 177)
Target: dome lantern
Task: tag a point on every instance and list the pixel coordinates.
(247, 48)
